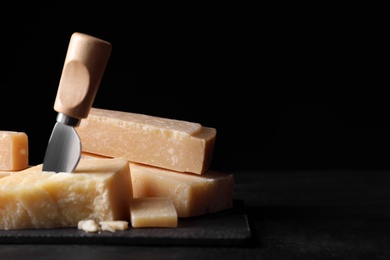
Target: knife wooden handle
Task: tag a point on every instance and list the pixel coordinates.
(84, 66)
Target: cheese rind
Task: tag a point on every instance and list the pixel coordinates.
(192, 194)
(13, 151)
(153, 212)
(98, 190)
(167, 143)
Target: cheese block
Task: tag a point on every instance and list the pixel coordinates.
(152, 212)
(98, 190)
(166, 143)
(192, 194)
(13, 151)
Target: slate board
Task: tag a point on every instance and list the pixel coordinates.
(225, 228)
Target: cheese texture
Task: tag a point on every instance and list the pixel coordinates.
(8, 173)
(113, 226)
(98, 190)
(5, 174)
(153, 212)
(167, 143)
(91, 226)
(192, 194)
(13, 151)
(88, 225)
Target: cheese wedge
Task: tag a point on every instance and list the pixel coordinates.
(13, 151)
(192, 194)
(98, 190)
(153, 212)
(167, 143)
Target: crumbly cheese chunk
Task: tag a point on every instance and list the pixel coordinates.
(98, 190)
(88, 225)
(113, 226)
(167, 143)
(13, 151)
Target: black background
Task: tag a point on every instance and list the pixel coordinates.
(286, 87)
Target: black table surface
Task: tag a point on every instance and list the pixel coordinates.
(339, 214)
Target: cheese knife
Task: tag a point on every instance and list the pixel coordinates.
(85, 62)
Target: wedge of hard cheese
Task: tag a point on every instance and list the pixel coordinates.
(98, 190)
(13, 151)
(192, 194)
(167, 143)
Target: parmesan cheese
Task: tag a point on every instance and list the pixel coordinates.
(88, 225)
(167, 143)
(192, 194)
(13, 151)
(113, 226)
(152, 212)
(98, 190)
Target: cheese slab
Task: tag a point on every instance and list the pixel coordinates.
(192, 194)
(153, 212)
(166, 143)
(98, 190)
(13, 151)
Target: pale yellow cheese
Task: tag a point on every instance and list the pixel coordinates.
(153, 212)
(5, 173)
(192, 194)
(13, 151)
(167, 143)
(91, 226)
(113, 226)
(88, 225)
(98, 190)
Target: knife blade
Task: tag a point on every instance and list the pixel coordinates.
(85, 62)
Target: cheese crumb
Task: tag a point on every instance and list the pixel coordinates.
(107, 227)
(111, 226)
(88, 225)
